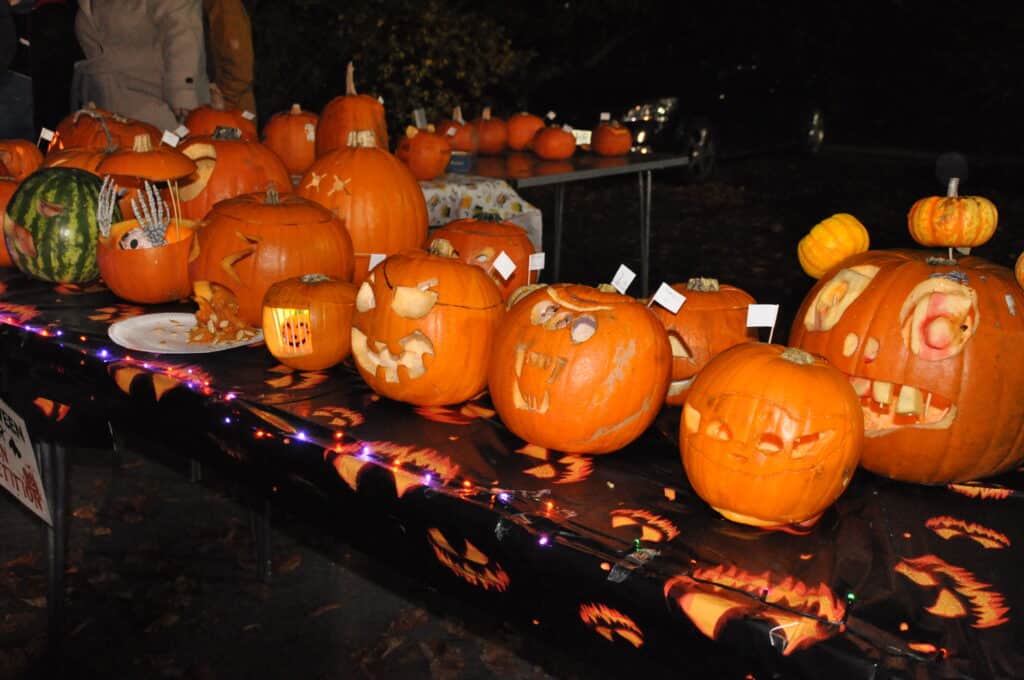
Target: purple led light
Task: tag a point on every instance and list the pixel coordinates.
(543, 541)
(58, 332)
(365, 453)
(229, 396)
(301, 436)
(227, 420)
(103, 353)
(504, 497)
(428, 478)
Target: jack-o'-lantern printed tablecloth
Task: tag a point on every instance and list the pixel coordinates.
(456, 196)
(895, 580)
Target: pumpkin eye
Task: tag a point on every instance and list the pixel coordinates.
(809, 444)
(413, 303)
(691, 418)
(583, 328)
(485, 255)
(836, 296)
(542, 311)
(770, 444)
(365, 299)
(938, 318)
(474, 555)
(559, 321)
(717, 429)
(679, 349)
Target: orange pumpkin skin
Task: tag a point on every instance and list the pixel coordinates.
(7, 188)
(519, 164)
(20, 156)
(522, 127)
(205, 120)
(250, 242)
(95, 128)
(414, 315)
(425, 152)
(292, 136)
(491, 133)
(307, 321)
(227, 168)
(611, 139)
(712, 319)
(461, 135)
(1018, 269)
(554, 143)
(951, 332)
(374, 194)
(579, 370)
(770, 435)
(84, 158)
(952, 221)
(349, 113)
(147, 275)
(479, 242)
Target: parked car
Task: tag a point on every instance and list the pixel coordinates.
(709, 107)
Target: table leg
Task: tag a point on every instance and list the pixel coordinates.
(645, 179)
(53, 461)
(556, 270)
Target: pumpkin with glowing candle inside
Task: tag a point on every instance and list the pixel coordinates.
(414, 314)
(932, 348)
(250, 242)
(712, 319)
(479, 241)
(770, 435)
(307, 321)
(578, 369)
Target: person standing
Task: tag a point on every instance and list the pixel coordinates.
(229, 53)
(145, 59)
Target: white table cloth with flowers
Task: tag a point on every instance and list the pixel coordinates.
(456, 196)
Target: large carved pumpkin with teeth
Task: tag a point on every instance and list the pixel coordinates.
(578, 369)
(713, 319)
(933, 349)
(423, 328)
(770, 435)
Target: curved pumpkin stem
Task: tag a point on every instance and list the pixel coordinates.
(457, 115)
(703, 285)
(296, 109)
(272, 197)
(350, 79)
(91, 112)
(797, 356)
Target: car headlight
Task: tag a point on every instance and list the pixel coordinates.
(657, 110)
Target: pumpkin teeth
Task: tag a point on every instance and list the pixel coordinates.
(677, 387)
(888, 406)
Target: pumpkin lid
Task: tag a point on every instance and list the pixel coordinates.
(269, 207)
(142, 160)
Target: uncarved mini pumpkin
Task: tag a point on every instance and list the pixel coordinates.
(291, 135)
(830, 242)
(491, 132)
(611, 139)
(307, 321)
(425, 152)
(770, 435)
(952, 221)
(461, 135)
(349, 113)
(554, 143)
(522, 127)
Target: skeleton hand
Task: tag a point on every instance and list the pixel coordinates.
(105, 205)
(151, 212)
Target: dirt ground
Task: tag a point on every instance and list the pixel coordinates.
(161, 582)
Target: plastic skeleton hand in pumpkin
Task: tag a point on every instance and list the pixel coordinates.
(153, 217)
(105, 205)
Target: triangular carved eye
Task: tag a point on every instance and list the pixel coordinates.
(473, 554)
(691, 419)
(835, 297)
(679, 348)
(440, 541)
(413, 303)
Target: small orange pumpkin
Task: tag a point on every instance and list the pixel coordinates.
(292, 136)
(307, 321)
(425, 152)
(491, 132)
(414, 313)
(147, 275)
(20, 156)
(554, 143)
(952, 221)
(522, 127)
(348, 113)
(7, 187)
(479, 241)
(611, 139)
(1018, 270)
(461, 136)
(205, 120)
(95, 128)
(770, 435)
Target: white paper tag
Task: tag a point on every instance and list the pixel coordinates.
(762, 316)
(550, 115)
(605, 116)
(504, 264)
(452, 131)
(419, 118)
(669, 298)
(623, 277)
(376, 259)
(19, 473)
(537, 261)
(248, 115)
(181, 131)
(169, 138)
(381, 100)
(25, 42)
(310, 130)
(45, 135)
(582, 136)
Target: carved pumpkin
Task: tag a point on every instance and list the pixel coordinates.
(480, 241)
(929, 345)
(522, 127)
(611, 139)
(580, 370)
(307, 321)
(292, 136)
(1018, 269)
(491, 133)
(349, 113)
(228, 166)
(147, 275)
(250, 242)
(461, 136)
(374, 194)
(20, 156)
(713, 319)
(952, 220)
(95, 128)
(554, 143)
(143, 162)
(770, 435)
(467, 561)
(830, 242)
(610, 623)
(414, 314)
(425, 152)
(203, 121)
(8, 185)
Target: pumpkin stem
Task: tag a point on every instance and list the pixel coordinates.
(703, 285)
(225, 132)
(488, 217)
(486, 115)
(411, 131)
(362, 139)
(521, 292)
(797, 356)
(457, 115)
(606, 288)
(272, 197)
(350, 79)
(142, 144)
(91, 112)
(952, 189)
(314, 278)
(941, 261)
(296, 109)
(442, 247)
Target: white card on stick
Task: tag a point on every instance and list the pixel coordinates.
(762, 316)
(669, 298)
(376, 259)
(536, 261)
(623, 277)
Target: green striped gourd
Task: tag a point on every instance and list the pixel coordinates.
(50, 227)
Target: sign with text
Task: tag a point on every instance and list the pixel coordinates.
(19, 473)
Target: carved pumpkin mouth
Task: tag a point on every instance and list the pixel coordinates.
(890, 406)
(546, 363)
(471, 564)
(414, 347)
(679, 351)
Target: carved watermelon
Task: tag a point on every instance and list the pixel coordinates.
(50, 226)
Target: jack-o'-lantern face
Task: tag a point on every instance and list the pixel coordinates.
(928, 346)
(644, 525)
(580, 370)
(468, 562)
(959, 593)
(422, 328)
(481, 240)
(948, 528)
(611, 624)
